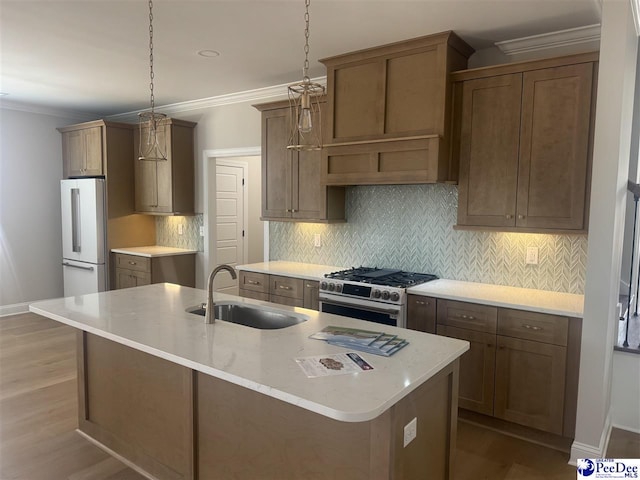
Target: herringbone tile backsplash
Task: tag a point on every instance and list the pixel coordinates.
(410, 227)
(167, 232)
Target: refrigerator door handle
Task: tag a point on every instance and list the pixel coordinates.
(65, 264)
(75, 218)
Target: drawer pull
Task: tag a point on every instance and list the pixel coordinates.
(132, 263)
(467, 317)
(308, 285)
(284, 287)
(420, 302)
(253, 282)
(532, 327)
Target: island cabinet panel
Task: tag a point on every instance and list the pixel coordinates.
(421, 313)
(137, 405)
(523, 137)
(245, 435)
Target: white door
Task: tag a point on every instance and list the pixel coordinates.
(229, 224)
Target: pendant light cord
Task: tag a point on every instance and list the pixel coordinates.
(305, 67)
(151, 75)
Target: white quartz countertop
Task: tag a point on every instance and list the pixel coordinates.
(542, 301)
(153, 319)
(154, 251)
(308, 271)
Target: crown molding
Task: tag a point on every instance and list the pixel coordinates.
(545, 41)
(44, 110)
(256, 95)
(635, 9)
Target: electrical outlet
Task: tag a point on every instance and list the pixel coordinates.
(180, 229)
(202, 231)
(317, 240)
(532, 256)
(410, 431)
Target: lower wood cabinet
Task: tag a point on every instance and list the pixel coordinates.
(135, 270)
(294, 292)
(521, 367)
(421, 313)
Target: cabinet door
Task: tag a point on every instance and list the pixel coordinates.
(131, 278)
(311, 292)
(554, 147)
(306, 192)
(93, 151)
(276, 164)
(153, 186)
(421, 313)
(530, 383)
(73, 153)
(477, 368)
(489, 138)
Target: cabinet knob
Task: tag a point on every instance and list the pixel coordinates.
(521, 217)
(132, 263)
(293, 210)
(509, 216)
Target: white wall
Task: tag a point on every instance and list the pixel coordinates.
(614, 111)
(625, 391)
(30, 233)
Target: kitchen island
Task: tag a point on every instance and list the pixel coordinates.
(179, 399)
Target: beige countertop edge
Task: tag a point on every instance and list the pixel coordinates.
(154, 251)
(542, 301)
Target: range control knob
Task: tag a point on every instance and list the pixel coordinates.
(376, 294)
(332, 287)
(323, 285)
(395, 296)
(338, 287)
(385, 295)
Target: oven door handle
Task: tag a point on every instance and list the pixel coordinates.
(363, 307)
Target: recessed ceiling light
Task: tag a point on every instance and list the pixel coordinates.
(208, 53)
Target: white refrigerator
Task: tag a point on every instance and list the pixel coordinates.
(83, 236)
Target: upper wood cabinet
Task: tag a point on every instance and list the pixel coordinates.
(388, 112)
(524, 142)
(85, 147)
(165, 187)
(291, 188)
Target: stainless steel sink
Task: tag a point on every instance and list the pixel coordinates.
(264, 318)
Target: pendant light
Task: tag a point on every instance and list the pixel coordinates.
(306, 123)
(152, 144)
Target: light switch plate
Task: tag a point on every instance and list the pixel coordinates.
(317, 240)
(202, 231)
(532, 256)
(410, 431)
(180, 229)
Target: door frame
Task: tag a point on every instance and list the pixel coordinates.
(224, 157)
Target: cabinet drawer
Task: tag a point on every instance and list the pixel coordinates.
(481, 318)
(257, 282)
(133, 262)
(255, 295)
(291, 302)
(539, 327)
(287, 287)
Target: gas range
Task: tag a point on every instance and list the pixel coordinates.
(374, 284)
(373, 294)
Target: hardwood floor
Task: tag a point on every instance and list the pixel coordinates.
(38, 417)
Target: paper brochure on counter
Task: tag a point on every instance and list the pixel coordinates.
(333, 364)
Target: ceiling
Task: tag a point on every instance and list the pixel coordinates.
(92, 56)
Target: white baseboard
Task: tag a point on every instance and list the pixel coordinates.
(626, 428)
(15, 309)
(582, 450)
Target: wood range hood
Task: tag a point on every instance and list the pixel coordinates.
(388, 117)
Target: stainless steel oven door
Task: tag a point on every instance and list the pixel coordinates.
(379, 312)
